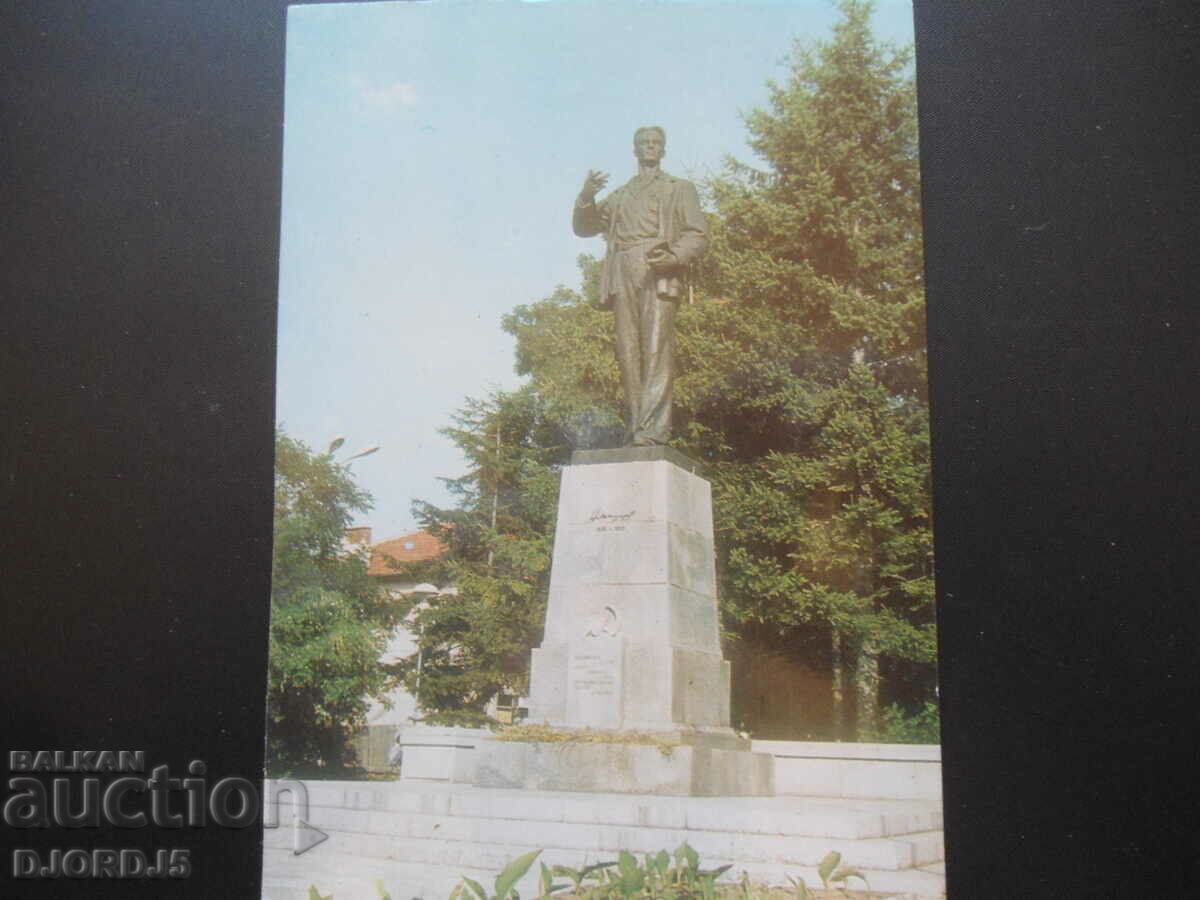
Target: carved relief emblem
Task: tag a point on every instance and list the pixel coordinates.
(604, 624)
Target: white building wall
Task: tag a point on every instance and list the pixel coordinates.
(403, 706)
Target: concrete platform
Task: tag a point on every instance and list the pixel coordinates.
(419, 839)
(894, 771)
(431, 753)
(802, 768)
(682, 770)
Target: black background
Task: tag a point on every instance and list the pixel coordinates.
(141, 159)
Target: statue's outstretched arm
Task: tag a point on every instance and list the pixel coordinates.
(588, 217)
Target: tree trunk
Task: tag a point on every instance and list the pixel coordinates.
(838, 670)
(866, 688)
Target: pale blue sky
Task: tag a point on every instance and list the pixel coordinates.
(432, 152)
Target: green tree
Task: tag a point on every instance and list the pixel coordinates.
(828, 233)
(474, 643)
(329, 622)
(801, 382)
(826, 507)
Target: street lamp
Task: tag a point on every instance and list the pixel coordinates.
(361, 453)
(336, 444)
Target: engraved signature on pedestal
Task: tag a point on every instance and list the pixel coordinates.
(600, 515)
(606, 521)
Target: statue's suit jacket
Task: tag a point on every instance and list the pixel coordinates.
(681, 226)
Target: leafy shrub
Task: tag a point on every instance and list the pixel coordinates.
(505, 883)
(659, 876)
(314, 894)
(898, 727)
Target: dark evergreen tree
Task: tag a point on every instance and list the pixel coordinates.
(475, 642)
(801, 383)
(825, 504)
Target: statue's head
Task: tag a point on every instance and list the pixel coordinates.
(649, 144)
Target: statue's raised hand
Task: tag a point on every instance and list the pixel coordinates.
(593, 184)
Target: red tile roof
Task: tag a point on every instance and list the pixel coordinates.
(417, 546)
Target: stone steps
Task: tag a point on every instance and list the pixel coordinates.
(451, 840)
(807, 816)
(350, 877)
(420, 839)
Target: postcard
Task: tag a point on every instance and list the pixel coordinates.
(603, 562)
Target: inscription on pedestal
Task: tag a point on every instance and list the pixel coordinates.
(606, 521)
(594, 682)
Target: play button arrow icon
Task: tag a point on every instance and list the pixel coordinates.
(305, 837)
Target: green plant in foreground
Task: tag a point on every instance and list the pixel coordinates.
(830, 869)
(314, 894)
(653, 877)
(659, 876)
(505, 883)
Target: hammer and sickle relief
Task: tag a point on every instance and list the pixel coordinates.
(604, 623)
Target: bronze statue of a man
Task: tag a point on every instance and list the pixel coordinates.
(654, 227)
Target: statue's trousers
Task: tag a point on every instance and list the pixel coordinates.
(645, 326)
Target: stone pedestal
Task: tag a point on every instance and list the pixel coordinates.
(431, 753)
(631, 642)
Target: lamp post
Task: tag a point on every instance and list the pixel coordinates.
(336, 444)
(365, 452)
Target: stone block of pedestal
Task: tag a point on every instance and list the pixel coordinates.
(683, 770)
(432, 753)
(632, 642)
